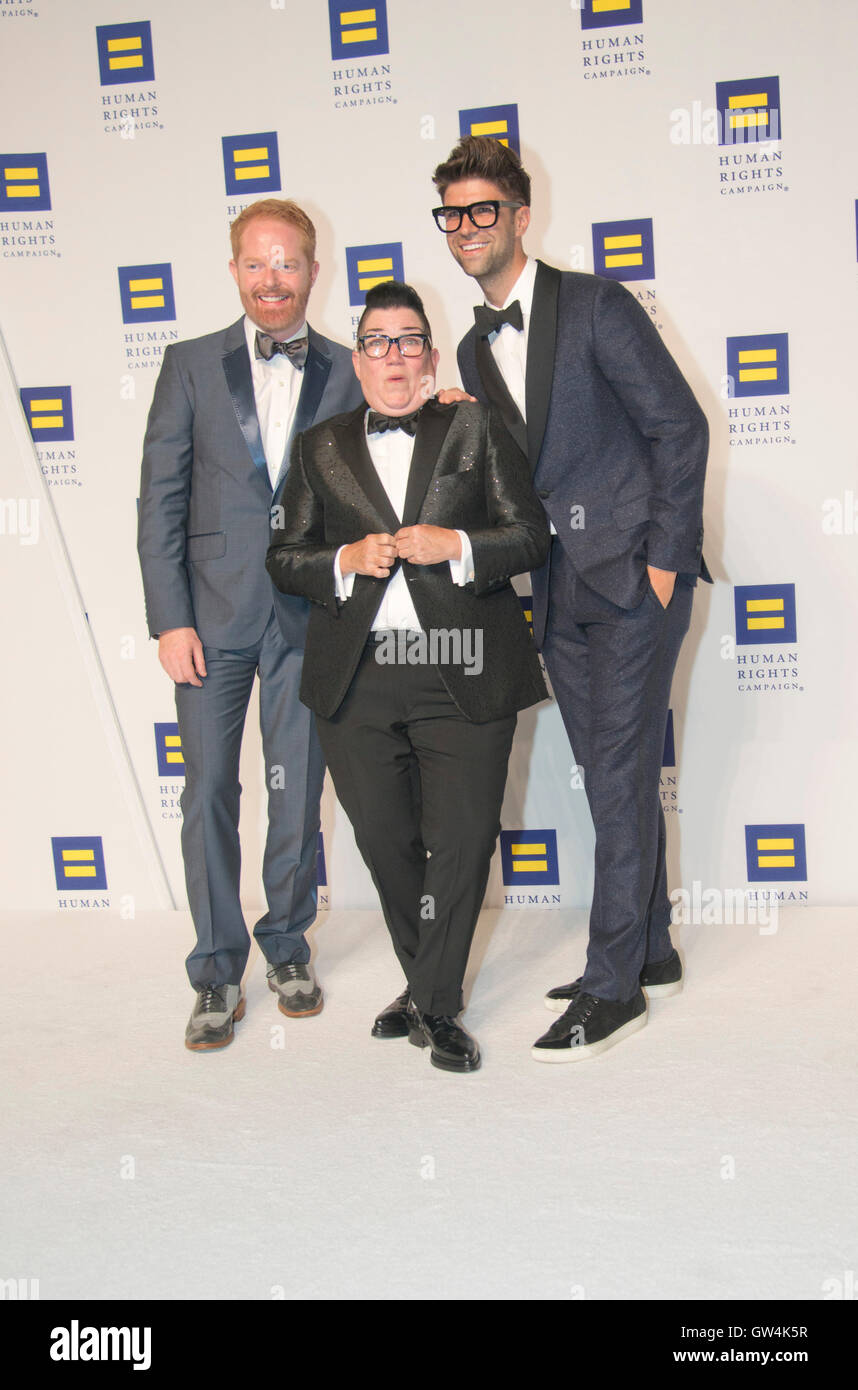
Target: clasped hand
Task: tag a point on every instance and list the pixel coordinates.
(420, 545)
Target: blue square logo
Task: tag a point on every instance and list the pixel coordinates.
(321, 868)
(125, 53)
(146, 292)
(372, 265)
(251, 163)
(776, 853)
(624, 250)
(49, 412)
(765, 614)
(749, 110)
(529, 857)
(168, 747)
(499, 122)
(78, 863)
(24, 185)
(600, 14)
(758, 365)
(357, 33)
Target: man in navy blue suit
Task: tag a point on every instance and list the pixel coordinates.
(225, 410)
(617, 447)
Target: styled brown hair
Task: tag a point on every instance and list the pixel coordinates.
(481, 157)
(284, 210)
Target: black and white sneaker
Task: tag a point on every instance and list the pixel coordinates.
(590, 1026)
(659, 980)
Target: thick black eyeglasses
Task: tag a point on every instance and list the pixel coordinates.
(481, 214)
(409, 344)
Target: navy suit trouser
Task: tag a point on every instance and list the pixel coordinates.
(611, 670)
(211, 723)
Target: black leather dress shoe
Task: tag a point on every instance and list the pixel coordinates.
(392, 1022)
(453, 1048)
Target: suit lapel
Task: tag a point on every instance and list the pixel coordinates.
(353, 449)
(431, 432)
(541, 344)
(236, 366)
(317, 369)
(496, 390)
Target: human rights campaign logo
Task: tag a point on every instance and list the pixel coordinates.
(49, 412)
(358, 33)
(749, 110)
(24, 185)
(624, 250)
(765, 614)
(599, 14)
(776, 853)
(758, 365)
(168, 746)
(499, 122)
(526, 601)
(372, 265)
(146, 292)
(529, 856)
(78, 862)
(251, 163)
(125, 53)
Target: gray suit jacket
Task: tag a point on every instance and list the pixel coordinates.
(205, 493)
(466, 474)
(612, 429)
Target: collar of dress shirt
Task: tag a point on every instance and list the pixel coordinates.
(250, 338)
(522, 290)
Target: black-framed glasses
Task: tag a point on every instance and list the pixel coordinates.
(481, 214)
(409, 344)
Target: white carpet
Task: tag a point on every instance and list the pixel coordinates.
(710, 1156)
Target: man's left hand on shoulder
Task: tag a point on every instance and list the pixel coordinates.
(452, 395)
(662, 582)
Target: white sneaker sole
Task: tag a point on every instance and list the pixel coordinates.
(580, 1054)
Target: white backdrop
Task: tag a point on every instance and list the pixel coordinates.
(115, 174)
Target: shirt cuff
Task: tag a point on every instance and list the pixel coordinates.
(343, 585)
(462, 570)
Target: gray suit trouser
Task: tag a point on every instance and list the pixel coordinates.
(211, 722)
(611, 670)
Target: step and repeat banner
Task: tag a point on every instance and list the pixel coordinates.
(702, 155)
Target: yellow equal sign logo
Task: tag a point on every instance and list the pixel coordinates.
(147, 294)
(358, 26)
(529, 858)
(78, 863)
(776, 853)
(374, 272)
(46, 413)
(771, 611)
(173, 749)
(21, 181)
(251, 164)
(626, 250)
(498, 129)
(608, 6)
(126, 53)
(750, 360)
(741, 112)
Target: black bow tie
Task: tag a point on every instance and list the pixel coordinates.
(295, 349)
(490, 320)
(378, 424)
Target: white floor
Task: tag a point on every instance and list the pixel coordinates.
(710, 1156)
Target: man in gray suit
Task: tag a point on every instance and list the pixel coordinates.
(617, 448)
(217, 442)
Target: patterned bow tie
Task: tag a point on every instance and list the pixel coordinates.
(490, 320)
(378, 424)
(295, 349)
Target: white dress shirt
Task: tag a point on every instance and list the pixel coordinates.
(276, 388)
(391, 456)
